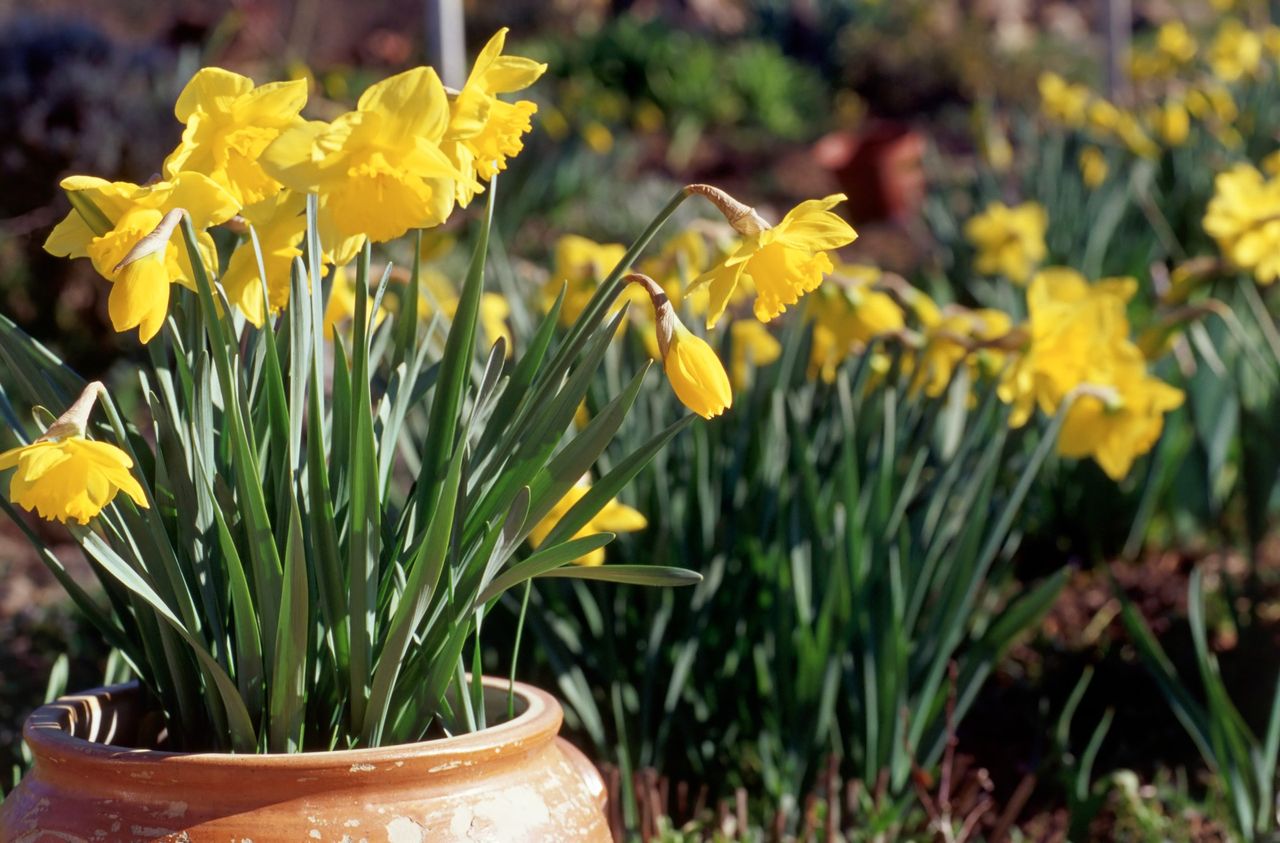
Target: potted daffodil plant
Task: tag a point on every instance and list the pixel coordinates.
(298, 526)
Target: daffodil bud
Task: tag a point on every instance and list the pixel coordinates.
(744, 219)
(695, 372)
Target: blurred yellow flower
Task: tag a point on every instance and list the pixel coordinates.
(1131, 133)
(138, 298)
(1120, 418)
(62, 476)
(613, 517)
(1236, 51)
(1244, 218)
(379, 170)
(784, 261)
(1212, 101)
(1172, 122)
(485, 131)
(1063, 101)
(682, 259)
(280, 225)
(847, 314)
(597, 137)
(1009, 241)
(960, 335)
(753, 347)
(1093, 166)
(229, 123)
(1176, 42)
(582, 264)
(341, 307)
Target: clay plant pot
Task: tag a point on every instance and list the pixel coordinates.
(881, 168)
(516, 781)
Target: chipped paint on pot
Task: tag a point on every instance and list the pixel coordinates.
(516, 781)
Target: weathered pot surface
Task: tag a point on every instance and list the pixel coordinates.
(516, 781)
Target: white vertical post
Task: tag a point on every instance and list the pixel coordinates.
(446, 41)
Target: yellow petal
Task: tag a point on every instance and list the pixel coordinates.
(69, 237)
(140, 297)
(413, 105)
(210, 85)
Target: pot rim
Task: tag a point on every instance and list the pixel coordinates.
(46, 731)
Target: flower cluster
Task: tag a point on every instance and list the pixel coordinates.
(403, 159)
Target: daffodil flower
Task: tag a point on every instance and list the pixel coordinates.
(129, 212)
(694, 371)
(62, 476)
(1071, 324)
(379, 170)
(1120, 420)
(784, 261)
(1009, 241)
(229, 123)
(484, 131)
(752, 347)
(613, 517)
(581, 264)
(1244, 218)
(847, 313)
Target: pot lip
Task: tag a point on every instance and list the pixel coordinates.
(46, 733)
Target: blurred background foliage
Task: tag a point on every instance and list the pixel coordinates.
(913, 615)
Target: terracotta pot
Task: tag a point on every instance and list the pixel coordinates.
(881, 168)
(513, 782)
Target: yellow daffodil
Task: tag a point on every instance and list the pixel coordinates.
(485, 131)
(229, 123)
(1131, 133)
(128, 214)
(683, 258)
(1009, 241)
(613, 517)
(1063, 102)
(1120, 419)
(581, 264)
(752, 347)
(960, 335)
(1236, 51)
(847, 314)
(1244, 218)
(1175, 41)
(379, 170)
(1071, 325)
(1212, 101)
(783, 262)
(280, 225)
(1093, 167)
(62, 476)
(1172, 122)
(694, 371)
